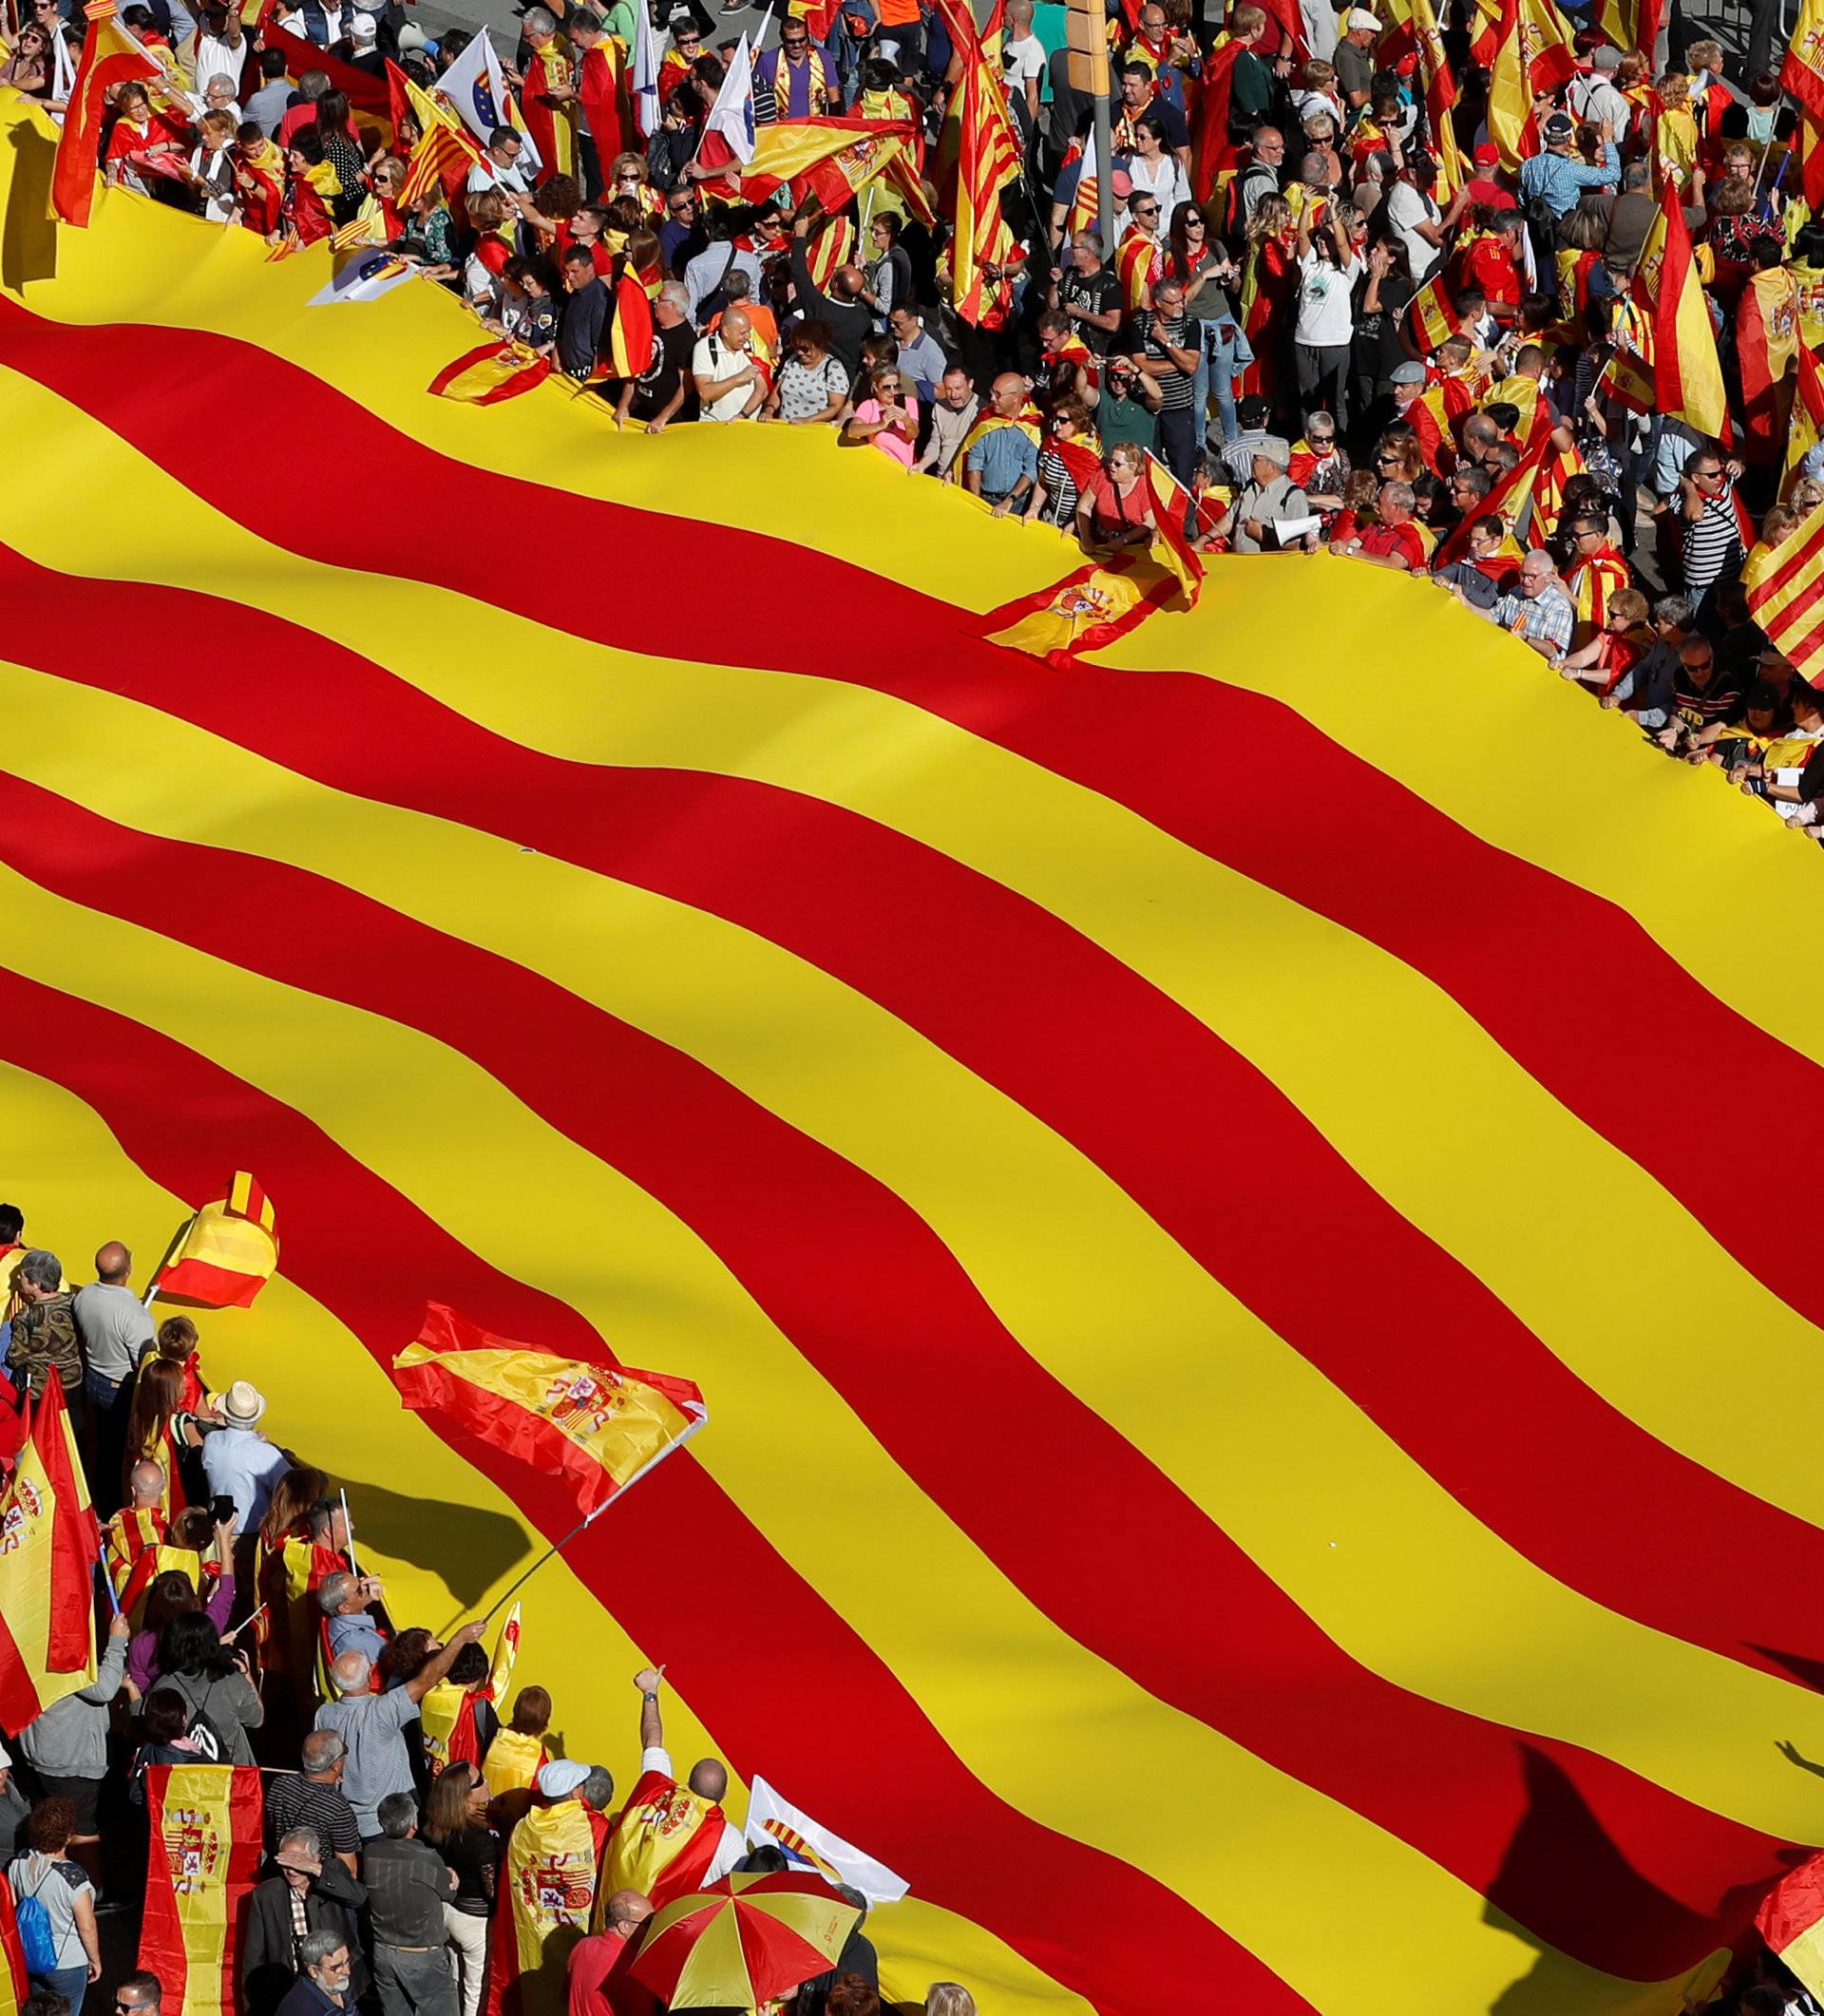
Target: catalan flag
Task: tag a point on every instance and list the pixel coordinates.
(810, 1846)
(203, 1823)
(600, 1427)
(446, 150)
(227, 1253)
(1050, 1113)
(1785, 587)
(49, 1544)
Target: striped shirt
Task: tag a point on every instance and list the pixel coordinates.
(1060, 490)
(297, 1802)
(1174, 386)
(1713, 543)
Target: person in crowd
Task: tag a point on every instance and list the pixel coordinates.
(114, 1328)
(48, 1875)
(43, 1338)
(598, 1981)
(372, 1726)
(239, 1462)
(514, 1756)
(66, 1747)
(213, 1679)
(307, 1894)
(687, 1819)
(14, 1807)
(456, 1826)
(311, 1797)
(325, 1984)
(409, 1884)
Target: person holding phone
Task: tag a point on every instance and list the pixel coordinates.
(890, 418)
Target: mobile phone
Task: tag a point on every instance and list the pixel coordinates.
(221, 1510)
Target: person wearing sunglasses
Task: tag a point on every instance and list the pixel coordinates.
(797, 75)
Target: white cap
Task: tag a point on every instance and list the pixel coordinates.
(363, 27)
(1360, 17)
(561, 1777)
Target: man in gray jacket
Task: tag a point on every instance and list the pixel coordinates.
(67, 1747)
(1268, 499)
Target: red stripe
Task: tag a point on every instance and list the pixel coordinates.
(162, 1950)
(873, 1763)
(1155, 744)
(206, 1286)
(745, 1182)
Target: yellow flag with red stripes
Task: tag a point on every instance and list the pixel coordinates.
(1785, 587)
(203, 1823)
(228, 1251)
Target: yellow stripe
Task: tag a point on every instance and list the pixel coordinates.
(956, 1634)
(322, 1383)
(1066, 1261)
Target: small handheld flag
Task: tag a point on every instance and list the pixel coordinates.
(228, 1253)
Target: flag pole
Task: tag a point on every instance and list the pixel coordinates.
(348, 1526)
(556, 1547)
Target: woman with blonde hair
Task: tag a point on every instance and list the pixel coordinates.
(948, 1998)
(1269, 280)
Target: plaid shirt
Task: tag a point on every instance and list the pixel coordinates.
(1544, 618)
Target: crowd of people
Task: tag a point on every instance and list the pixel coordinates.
(1323, 304)
(407, 1789)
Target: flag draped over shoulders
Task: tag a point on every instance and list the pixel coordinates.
(547, 1895)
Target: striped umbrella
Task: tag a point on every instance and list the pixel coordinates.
(743, 1941)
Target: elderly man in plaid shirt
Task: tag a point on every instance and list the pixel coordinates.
(1539, 612)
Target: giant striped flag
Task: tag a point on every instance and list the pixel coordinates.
(203, 1824)
(1288, 1459)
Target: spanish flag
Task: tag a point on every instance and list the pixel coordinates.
(1687, 374)
(1807, 427)
(13, 1986)
(133, 1531)
(1088, 610)
(1791, 1920)
(663, 1840)
(1766, 348)
(110, 57)
(1785, 587)
(204, 1826)
(600, 1427)
(490, 373)
(48, 1546)
(227, 1255)
(547, 1895)
(1171, 545)
(512, 1761)
(1533, 52)
(1802, 76)
(632, 337)
(1433, 316)
(832, 159)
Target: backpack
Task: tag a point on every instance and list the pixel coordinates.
(35, 1935)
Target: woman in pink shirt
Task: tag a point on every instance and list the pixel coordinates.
(889, 419)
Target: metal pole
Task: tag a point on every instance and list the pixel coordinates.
(1104, 165)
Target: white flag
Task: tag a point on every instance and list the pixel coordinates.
(645, 84)
(365, 276)
(772, 1823)
(63, 74)
(476, 87)
(731, 115)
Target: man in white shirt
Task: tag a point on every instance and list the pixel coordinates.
(730, 381)
(1022, 54)
(221, 48)
(1414, 218)
(1592, 95)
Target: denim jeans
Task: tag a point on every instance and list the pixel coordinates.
(69, 1982)
(1222, 353)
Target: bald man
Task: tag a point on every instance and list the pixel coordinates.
(731, 380)
(599, 1984)
(670, 1839)
(114, 1329)
(1000, 460)
(138, 1528)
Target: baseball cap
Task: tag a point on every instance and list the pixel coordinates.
(1559, 126)
(363, 27)
(1488, 155)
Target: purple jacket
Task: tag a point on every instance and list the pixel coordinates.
(142, 1652)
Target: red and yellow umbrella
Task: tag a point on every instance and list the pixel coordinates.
(743, 1941)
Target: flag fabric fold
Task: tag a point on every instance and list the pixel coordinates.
(490, 373)
(1535, 52)
(1688, 374)
(731, 115)
(600, 1427)
(228, 1253)
(1801, 76)
(545, 1902)
(204, 1825)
